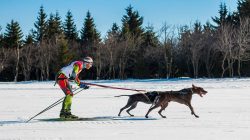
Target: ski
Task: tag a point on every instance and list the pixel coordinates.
(125, 118)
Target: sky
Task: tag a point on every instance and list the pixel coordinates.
(107, 12)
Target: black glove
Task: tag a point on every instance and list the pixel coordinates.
(83, 86)
(72, 76)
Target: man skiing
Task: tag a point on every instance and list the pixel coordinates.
(71, 72)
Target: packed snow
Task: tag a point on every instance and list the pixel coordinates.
(224, 112)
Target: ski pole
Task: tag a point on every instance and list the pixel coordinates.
(51, 106)
(57, 102)
(91, 84)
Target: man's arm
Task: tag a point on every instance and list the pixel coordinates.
(75, 74)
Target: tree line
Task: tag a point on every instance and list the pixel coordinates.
(130, 50)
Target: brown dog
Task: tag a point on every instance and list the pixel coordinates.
(147, 98)
(183, 96)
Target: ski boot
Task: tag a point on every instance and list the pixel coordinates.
(71, 116)
(63, 114)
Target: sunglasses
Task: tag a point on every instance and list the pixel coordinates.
(88, 65)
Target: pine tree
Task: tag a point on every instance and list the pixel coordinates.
(132, 22)
(89, 33)
(90, 40)
(243, 8)
(115, 28)
(197, 28)
(149, 37)
(223, 15)
(40, 25)
(13, 35)
(208, 27)
(1, 38)
(29, 39)
(13, 39)
(54, 26)
(149, 40)
(69, 26)
(64, 55)
(114, 32)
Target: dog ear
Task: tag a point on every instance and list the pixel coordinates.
(193, 86)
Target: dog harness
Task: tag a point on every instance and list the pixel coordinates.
(152, 96)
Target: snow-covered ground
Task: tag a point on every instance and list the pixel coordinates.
(224, 112)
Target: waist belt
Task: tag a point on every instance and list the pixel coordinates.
(59, 78)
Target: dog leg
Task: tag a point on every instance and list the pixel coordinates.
(192, 110)
(129, 103)
(119, 114)
(132, 107)
(163, 108)
(152, 108)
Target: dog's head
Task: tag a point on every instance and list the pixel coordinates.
(198, 90)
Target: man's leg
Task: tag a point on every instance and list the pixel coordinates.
(67, 102)
(66, 107)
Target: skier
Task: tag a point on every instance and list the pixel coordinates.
(71, 72)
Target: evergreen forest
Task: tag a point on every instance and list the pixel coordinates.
(213, 50)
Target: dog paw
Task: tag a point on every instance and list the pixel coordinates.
(164, 117)
(146, 116)
(196, 116)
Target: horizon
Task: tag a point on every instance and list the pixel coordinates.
(105, 13)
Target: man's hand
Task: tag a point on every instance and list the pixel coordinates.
(82, 85)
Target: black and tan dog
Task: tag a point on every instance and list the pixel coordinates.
(183, 96)
(162, 98)
(147, 98)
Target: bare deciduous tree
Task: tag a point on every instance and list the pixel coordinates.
(126, 49)
(168, 44)
(98, 60)
(110, 54)
(209, 51)
(17, 59)
(27, 60)
(225, 47)
(242, 37)
(5, 55)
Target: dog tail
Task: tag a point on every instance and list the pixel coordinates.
(121, 95)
